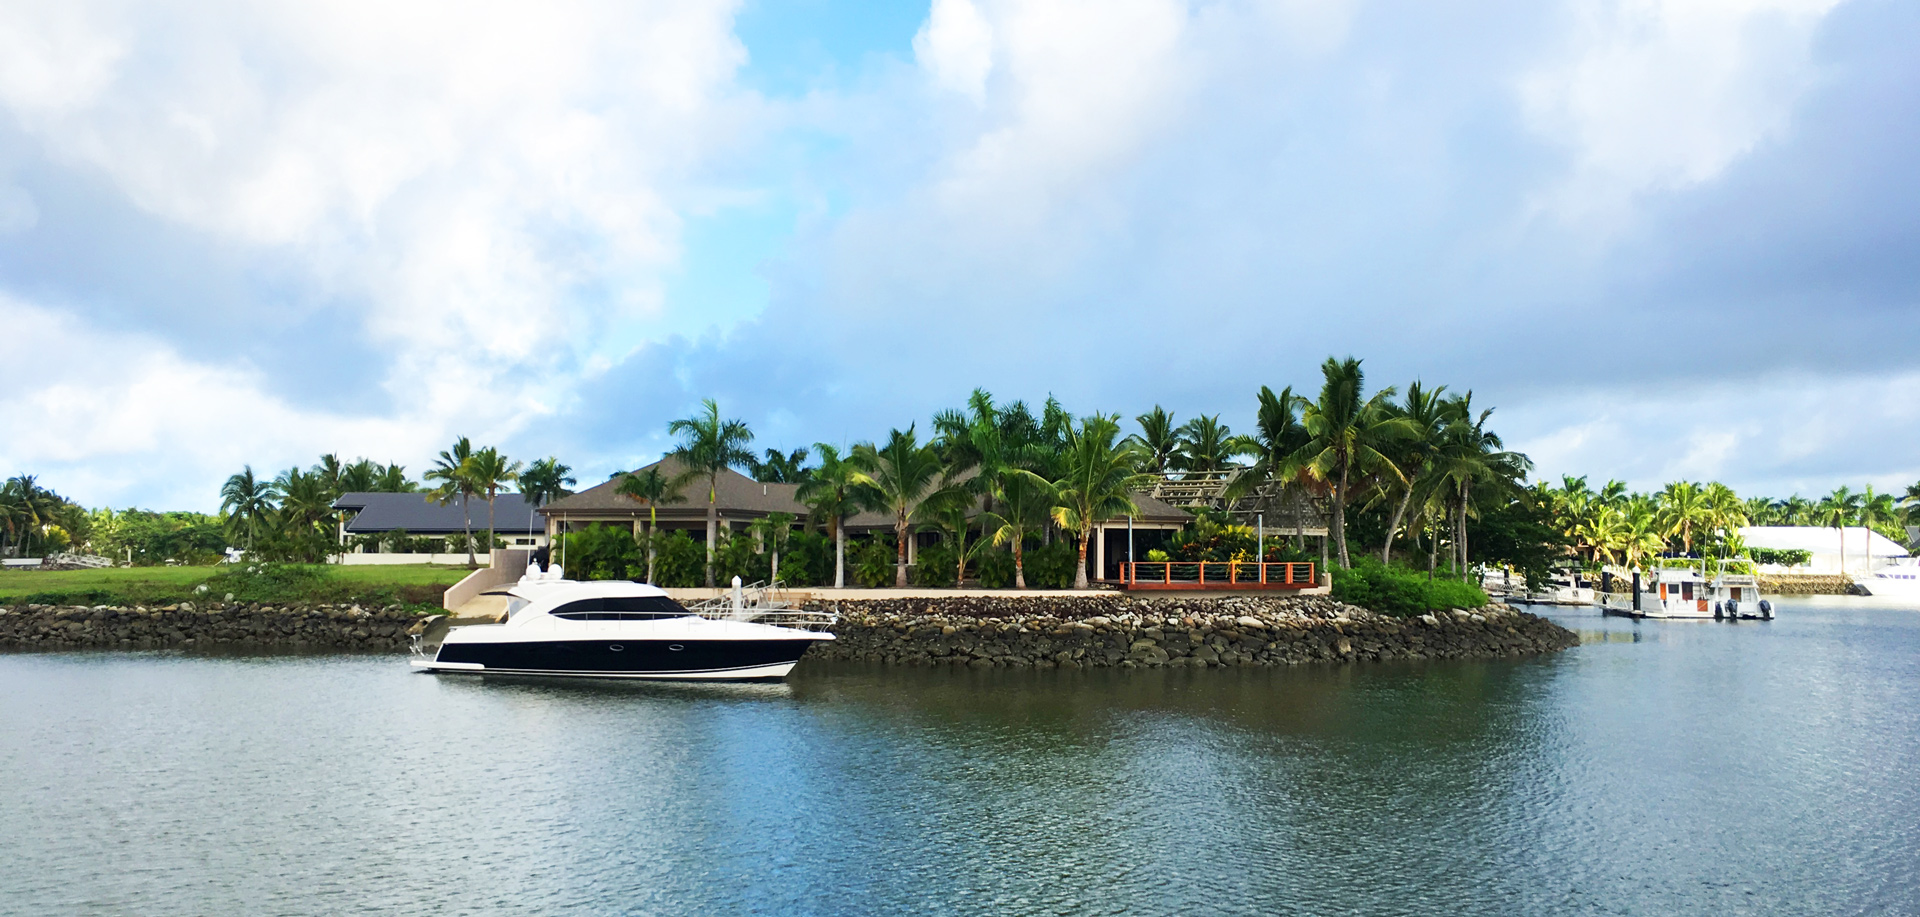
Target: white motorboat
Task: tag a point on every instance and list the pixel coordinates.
(1897, 580)
(1681, 588)
(619, 629)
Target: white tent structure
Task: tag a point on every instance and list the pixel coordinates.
(1866, 550)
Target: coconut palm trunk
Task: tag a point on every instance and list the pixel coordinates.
(1393, 524)
(840, 555)
(900, 536)
(1019, 566)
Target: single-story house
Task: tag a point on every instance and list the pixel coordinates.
(1865, 549)
(740, 500)
(420, 515)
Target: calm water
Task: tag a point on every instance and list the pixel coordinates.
(1675, 768)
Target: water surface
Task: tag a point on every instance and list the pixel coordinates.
(1660, 768)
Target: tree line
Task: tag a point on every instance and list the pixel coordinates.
(1612, 525)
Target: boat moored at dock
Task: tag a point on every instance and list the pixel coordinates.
(1691, 588)
(619, 629)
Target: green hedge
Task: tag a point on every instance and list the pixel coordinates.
(1401, 592)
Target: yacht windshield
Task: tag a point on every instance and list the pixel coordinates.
(621, 608)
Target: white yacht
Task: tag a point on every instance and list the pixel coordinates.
(1897, 580)
(619, 629)
(1681, 588)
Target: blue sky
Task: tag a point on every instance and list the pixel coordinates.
(1665, 239)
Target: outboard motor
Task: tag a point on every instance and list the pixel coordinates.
(1733, 609)
(1766, 610)
(1719, 610)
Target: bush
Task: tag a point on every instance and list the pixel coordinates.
(1401, 592)
(678, 560)
(994, 568)
(808, 560)
(602, 552)
(1051, 566)
(1785, 558)
(935, 566)
(871, 565)
(736, 555)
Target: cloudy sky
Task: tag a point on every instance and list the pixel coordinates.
(1666, 238)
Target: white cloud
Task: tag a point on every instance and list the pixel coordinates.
(17, 210)
(460, 170)
(1656, 95)
(141, 422)
(1793, 432)
(956, 48)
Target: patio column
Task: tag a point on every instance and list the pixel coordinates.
(1100, 551)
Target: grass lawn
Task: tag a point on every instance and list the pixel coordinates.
(415, 584)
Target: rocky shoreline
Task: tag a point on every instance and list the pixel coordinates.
(331, 627)
(1124, 631)
(982, 631)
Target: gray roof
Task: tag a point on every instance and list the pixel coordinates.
(418, 514)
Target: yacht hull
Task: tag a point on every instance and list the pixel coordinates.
(685, 659)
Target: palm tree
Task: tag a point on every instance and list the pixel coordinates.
(1836, 511)
(651, 488)
(1911, 502)
(248, 502)
(1346, 433)
(545, 480)
(393, 480)
(781, 467)
(1642, 538)
(28, 507)
(455, 484)
(708, 446)
(1426, 416)
(833, 495)
(489, 471)
(899, 476)
(1876, 512)
(1024, 501)
(1101, 475)
(1206, 444)
(305, 500)
(359, 477)
(1158, 439)
(1683, 508)
(1725, 510)
(1472, 453)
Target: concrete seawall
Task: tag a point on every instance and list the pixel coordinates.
(1197, 632)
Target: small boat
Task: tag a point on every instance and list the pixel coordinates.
(1681, 588)
(619, 629)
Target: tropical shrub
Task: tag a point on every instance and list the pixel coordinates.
(935, 566)
(602, 552)
(1783, 557)
(1401, 592)
(871, 565)
(679, 561)
(734, 556)
(994, 568)
(1208, 540)
(807, 560)
(1050, 566)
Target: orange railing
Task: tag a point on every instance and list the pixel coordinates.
(1216, 574)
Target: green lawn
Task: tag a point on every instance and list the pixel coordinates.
(415, 584)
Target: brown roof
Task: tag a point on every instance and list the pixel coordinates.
(735, 494)
(740, 496)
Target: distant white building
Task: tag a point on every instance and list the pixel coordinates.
(1865, 549)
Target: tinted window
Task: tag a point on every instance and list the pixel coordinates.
(621, 608)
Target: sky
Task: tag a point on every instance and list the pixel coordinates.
(1662, 239)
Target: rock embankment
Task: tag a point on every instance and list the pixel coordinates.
(185, 625)
(1803, 584)
(1084, 632)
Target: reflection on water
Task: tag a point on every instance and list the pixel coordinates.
(1750, 768)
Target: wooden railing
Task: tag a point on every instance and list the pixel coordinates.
(1211, 574)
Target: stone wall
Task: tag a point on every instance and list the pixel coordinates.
(349, 627)
(1081, 631)
(1803, 584)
